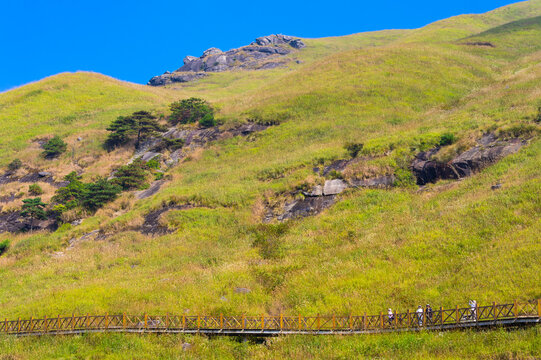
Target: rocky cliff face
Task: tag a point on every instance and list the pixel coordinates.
(266, 52)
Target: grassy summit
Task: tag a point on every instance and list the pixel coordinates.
(397, 92)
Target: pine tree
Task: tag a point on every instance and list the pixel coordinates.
(99, 193)
(146, 125)
(140, 124)
(34, 209)
(122, 128)
(71, 195)
(132, 176)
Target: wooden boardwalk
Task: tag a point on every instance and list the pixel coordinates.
(515, 314)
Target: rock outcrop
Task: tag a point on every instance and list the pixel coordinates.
(14, 222)
(193, 138)
(264, 53)
(169, 78)
(489, 149)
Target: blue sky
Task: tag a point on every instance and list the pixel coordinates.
(134, 40)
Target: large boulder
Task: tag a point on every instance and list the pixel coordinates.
(211, 51)
(279, 39)
(175, 77)
(333, 187)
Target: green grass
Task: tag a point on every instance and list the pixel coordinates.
(499, 344)
(396, 92)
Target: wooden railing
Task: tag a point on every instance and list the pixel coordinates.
(440, 319)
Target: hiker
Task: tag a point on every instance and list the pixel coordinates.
(391, 316)
(419, 313)
(473, 309)
(429, 313)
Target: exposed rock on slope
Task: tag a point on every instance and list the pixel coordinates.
(489, 149)
(14, 222)
(193, 138)
(264, 53)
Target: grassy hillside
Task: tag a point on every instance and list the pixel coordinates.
(396, 92)
(66, 104)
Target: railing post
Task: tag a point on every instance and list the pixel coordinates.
(19, 325)
(167, 321)
(476, 312)
(300, 322)
(318, 322)
(221, 321)
(441, 315)
(107, 321)
(408, 322)
(58, 323)
(243, 322)
(87, 321)
(364, 321)
(494, 310)
(333, 322)
(31, 324)
(539, 307)
(350, 323)
(262, 322)
(44, 323)
(6, 325)
(72, 321)
(146, 321)
(457, 316)
(515, 307)
(281, 322)
(124, 320)
(381, 323)
(198, 322)
(183, 322)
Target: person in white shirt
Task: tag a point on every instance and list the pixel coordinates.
(420, 315)
(473, 309)
(391, 316)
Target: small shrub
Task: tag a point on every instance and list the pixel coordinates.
(168, 144)
(447, 139)
(4, 246)
(154, 163)
(353, 149)
(159, 176)
(57, 211)
(189, 111)
(71, 195)
(132, 176)
(54, 147)
(35, 190)
(99, 193)
(15, 165)
(207, 121)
